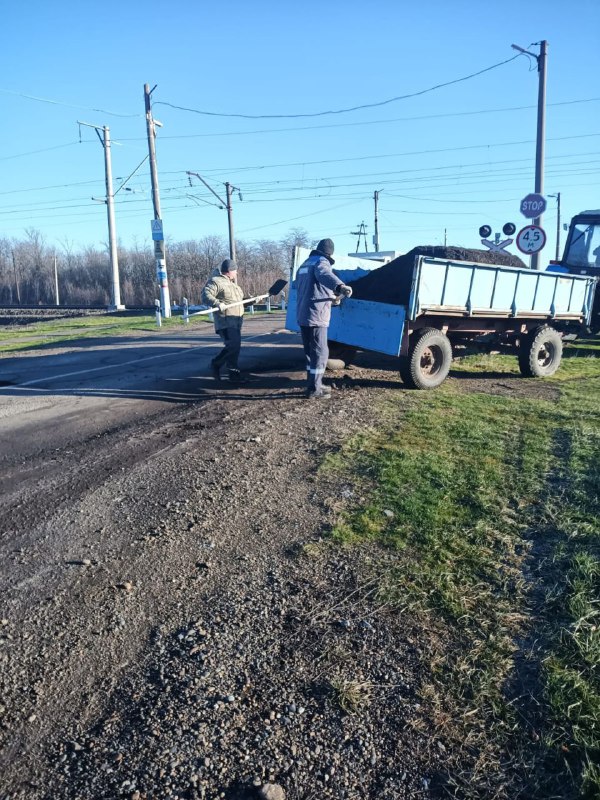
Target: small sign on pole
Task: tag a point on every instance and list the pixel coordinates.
(533, 205)
(157, 230)
(531, 239)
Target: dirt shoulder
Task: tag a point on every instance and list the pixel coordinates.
(173, 628)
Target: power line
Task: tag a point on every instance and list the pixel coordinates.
(398, 155)
(303, 216)
(34, 152)
(68, 105)
(344, 110)
(365, 122)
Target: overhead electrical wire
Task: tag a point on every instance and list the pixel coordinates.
(68, 105)
(464, 175)
(164, 137)
(396, 155)
(342, 110)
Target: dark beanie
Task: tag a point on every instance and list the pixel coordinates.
(228, 265)
(326, 246)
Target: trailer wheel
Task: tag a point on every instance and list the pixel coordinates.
(540, 353)
(428, 362)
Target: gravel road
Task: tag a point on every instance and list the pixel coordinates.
(174, 624)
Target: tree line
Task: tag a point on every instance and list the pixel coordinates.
(85, 277)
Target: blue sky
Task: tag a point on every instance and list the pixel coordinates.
(454, 158)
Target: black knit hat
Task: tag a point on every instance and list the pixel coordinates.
(228, 265)
(326, 247)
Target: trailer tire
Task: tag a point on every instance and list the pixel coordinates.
(428, 362)
(540, 353)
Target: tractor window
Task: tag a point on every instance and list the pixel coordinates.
(584, 248)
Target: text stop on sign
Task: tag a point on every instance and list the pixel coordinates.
(533, 206)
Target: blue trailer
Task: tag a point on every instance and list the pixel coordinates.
(458, 303)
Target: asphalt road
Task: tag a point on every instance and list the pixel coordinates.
(74, 414)
(53, 397)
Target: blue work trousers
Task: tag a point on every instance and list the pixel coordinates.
(316, 351)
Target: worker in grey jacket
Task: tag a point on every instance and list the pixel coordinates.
(222, 290)
(316, 288)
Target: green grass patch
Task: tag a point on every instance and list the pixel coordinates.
(47, 333)
(490, 507)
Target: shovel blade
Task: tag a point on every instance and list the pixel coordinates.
(277, 287)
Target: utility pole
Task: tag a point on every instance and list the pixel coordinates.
(445, 236)
(157, 230)
(16, 277)
(361, 233)
(557, 195)
(376, 236)
(229, 189)
(110, 209)
(56, 282)
(541, 58)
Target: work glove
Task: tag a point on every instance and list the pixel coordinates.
(222, 307)
(345, 291)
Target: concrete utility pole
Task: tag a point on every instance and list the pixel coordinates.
(116, 304)
(376, 235)
(14, 260)
(56, 282)
(229, 189)
(157, 231)
(557, 196)
(541, 59)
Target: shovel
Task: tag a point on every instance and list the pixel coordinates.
(277, 287)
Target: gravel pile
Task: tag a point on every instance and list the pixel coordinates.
(392, 282)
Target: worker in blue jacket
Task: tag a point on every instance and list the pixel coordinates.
(317, 287)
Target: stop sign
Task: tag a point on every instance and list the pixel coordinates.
(533, 206)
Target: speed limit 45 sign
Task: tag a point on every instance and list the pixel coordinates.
(531, 239)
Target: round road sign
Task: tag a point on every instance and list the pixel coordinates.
(531, 239)
(533, 205)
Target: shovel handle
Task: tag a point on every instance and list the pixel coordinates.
(231, 305)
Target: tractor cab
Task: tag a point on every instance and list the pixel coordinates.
(582, 250)
(582, 254)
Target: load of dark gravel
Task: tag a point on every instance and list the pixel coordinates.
(392, 282)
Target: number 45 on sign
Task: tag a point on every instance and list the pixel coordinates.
(531, 239)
